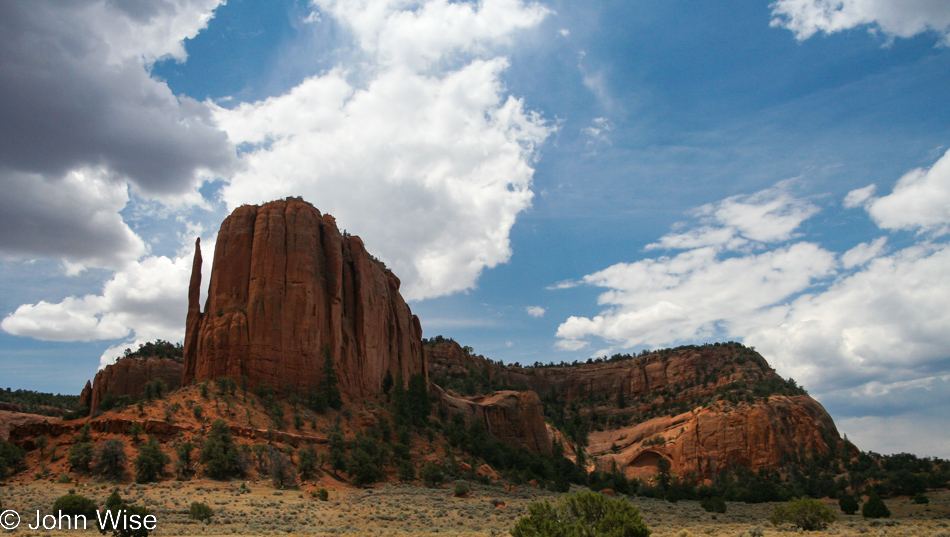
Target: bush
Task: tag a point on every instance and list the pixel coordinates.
(362, 467)
(848, 504)
(461, 489)
(407, 471)
(586, 513)
(183, 464)
(307, 461)
(74, 504)
(875, 508)
(921, 499)
(713, 504)
(200, 512)
(118, 509)
(805, 513)
(219, 453)
(151, 461)
(110, 459)
(432, 475)
(80, 456)
(281, 471)
(12, 458)
(320, 494)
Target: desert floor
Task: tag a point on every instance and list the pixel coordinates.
(414, 511)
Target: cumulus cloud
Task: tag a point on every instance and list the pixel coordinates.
(535, 311)
(145, 301)
(693, 295)
(920, 201)
(420, 151)
(900, 18)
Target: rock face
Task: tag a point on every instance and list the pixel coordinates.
(514, 417)
(85, 396)
(287, 289)
(128, 377)
(701, 408)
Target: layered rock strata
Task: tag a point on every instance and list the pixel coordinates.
(703, 409)
(514, 417)
(128, 377)
(287, 290)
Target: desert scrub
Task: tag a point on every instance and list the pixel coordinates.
(74, 504)
(461, 489)
(586, 513)
(875, 508)
(805, 513)
(200, 512)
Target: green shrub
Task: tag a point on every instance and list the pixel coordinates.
(183, 464)
(848, 504)
(921, 499)
(64, 478)
(80, 456)
(461, 489)
(432, 475)
(713, 504)
(74, 504)
(281, 471)
(875, 508)
(321, 494)
(110, 459)
(200, 512)
(150, 462)
(586, 513)
(362, 467)
(805, 513)
(12, 459)
(407, 471)
(219, 453)
(307, 461)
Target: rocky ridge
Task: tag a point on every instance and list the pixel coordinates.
(702, 409)
(128, 377)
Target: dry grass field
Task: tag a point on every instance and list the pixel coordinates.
(409, 510)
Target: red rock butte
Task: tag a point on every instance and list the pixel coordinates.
(286, 289)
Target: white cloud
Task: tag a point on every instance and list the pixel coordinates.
(863, 253)
(691, 296)
(920, 201)
(771, 215)
(859, 197)
(900, 18)
(145, 301)
(535, 311)
(419, 151)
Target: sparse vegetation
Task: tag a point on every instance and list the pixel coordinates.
(109, 460)
(586, 513)
(804, 513)
(201, 512)
(150, 462)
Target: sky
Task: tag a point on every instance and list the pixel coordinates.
(550, 180)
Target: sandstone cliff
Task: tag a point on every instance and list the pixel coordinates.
(702, 408)
(514, 417)
(128, 377)
(287, 288)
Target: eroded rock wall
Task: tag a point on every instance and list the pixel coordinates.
(287, 289)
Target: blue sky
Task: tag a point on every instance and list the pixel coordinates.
(551, 181)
